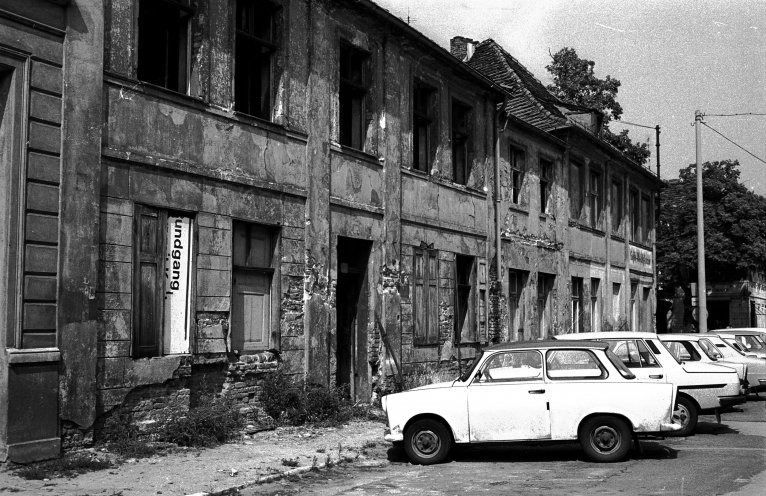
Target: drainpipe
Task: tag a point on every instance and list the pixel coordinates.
(498, 243)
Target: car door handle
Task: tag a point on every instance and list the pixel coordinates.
(536, 391)
(656, 376)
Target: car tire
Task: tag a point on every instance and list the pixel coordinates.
(605, 439)
(427, 442)
(685, 414)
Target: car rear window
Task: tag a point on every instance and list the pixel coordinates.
(509, 366)
(573, 364)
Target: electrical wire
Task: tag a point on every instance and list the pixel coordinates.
(634, 124)
(732, 142)
(734, 115)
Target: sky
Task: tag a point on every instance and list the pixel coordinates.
(673, 57)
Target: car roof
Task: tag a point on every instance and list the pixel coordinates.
(747, 331)
(608, 335)
(679, 335)
(548, 344)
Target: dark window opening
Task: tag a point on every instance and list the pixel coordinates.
(461, 142)
(577, 304)
(635, 217)
(616, 206)
(595, 199)
(647, 218)
(163, 43)
(545, 304)
(575, 189)
(517, 173)
(546, 178)
(354, 87)
(465, 308)
(254, 51)
(423, 110)
(516, 282)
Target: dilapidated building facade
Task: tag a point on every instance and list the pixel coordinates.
(201, 191)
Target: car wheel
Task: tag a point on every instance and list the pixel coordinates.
(427, 442)
(605, 439)
(685, 415)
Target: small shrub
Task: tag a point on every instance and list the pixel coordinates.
(123, 437)
(327, 405)
(281, 396)
(292, 402)
(290, 462)
(66, 466)
(213, 421)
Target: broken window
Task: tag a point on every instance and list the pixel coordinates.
(546, 178)
(423, 126)
(517, 173)
(352, 95)
(461, 142)
(577, 306)
(163, 275)
(163, 43)
(595, 199)
(425, 299)
(545, 303)
(252, 275)
(253, 57)
(616, 206)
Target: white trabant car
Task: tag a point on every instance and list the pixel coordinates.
(532, 391)
(756, 367)
(702, 387)
(686, 348)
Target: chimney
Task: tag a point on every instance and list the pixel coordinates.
(462, 48)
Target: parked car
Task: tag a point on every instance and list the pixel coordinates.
(751, 339)
(686, 348)
(756, 367)
(532, 391)
(702, 388)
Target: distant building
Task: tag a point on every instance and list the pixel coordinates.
(194, 191)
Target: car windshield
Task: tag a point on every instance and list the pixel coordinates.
(465, 375)
(617, 362)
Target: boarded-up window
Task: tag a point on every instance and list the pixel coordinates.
(162, 282)
(163, 43)
(254, 51)
(425, 300)
(252, 276)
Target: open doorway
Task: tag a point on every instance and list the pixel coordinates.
(352, 316)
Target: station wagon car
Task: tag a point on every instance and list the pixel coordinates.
(532, 391)
(756, 367)
(702, 387)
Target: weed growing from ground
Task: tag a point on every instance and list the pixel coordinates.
(290, 462)
(213, 421)
(66, 466)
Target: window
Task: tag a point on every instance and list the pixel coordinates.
(616, 288)
(162, 281)
(635, 216)
(595, 304)
(252, 274)
(633, 353)
(573, 364)
(516, 283)
(576, 187)
(424, 136)
(352, 94)
(683, 351)
(513, 366)
(517, 173)
(577, 309)
(461, 142)
(595, 199)
(425, 301)
(545, 304)
(646, 216)
(470, 294)
(163, 43)
(634, 307)
(253, 54)
(616, 206)
(546, 178)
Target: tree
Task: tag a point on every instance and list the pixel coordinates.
(574, 81)
(735, 227)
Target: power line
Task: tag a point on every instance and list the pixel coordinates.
(734, 115)
(733, 143)
(634, 124)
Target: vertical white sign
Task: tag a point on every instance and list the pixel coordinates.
(177, 281)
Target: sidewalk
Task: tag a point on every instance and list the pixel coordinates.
(221, 470)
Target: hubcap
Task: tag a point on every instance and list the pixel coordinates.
(605, 439)
(681, 416)
(426, 443)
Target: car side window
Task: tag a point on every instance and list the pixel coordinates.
(509, 366)
(573, 364)
(647, 359)
(633, 353)
(710, 349)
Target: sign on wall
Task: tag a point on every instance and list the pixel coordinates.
(641, 258)
(177, 284)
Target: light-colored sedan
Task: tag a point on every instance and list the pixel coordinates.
(756, 367)
(702, 387)
(532, 391)
(750, 339)
(686, 348)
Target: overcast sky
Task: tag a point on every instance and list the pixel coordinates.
(672, 56)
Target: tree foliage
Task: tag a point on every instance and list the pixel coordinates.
(734, 221)
(574, 81)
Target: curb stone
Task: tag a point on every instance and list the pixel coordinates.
(234, 490)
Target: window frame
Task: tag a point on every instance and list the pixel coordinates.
(545, 287)
(351, 91)
(617, 205)
(461, 140)
(424, 115)
(516, 307)
(604, 372)
(634, 205)
(576, 188)
(490, 359)
(596, 197)
(577, 310)
(429, 282)
(546, 179)
(517, 163)
(595, 304)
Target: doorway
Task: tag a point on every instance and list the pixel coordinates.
(352, 316)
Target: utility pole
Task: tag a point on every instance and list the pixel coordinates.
(659, 178)
(701, 288)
